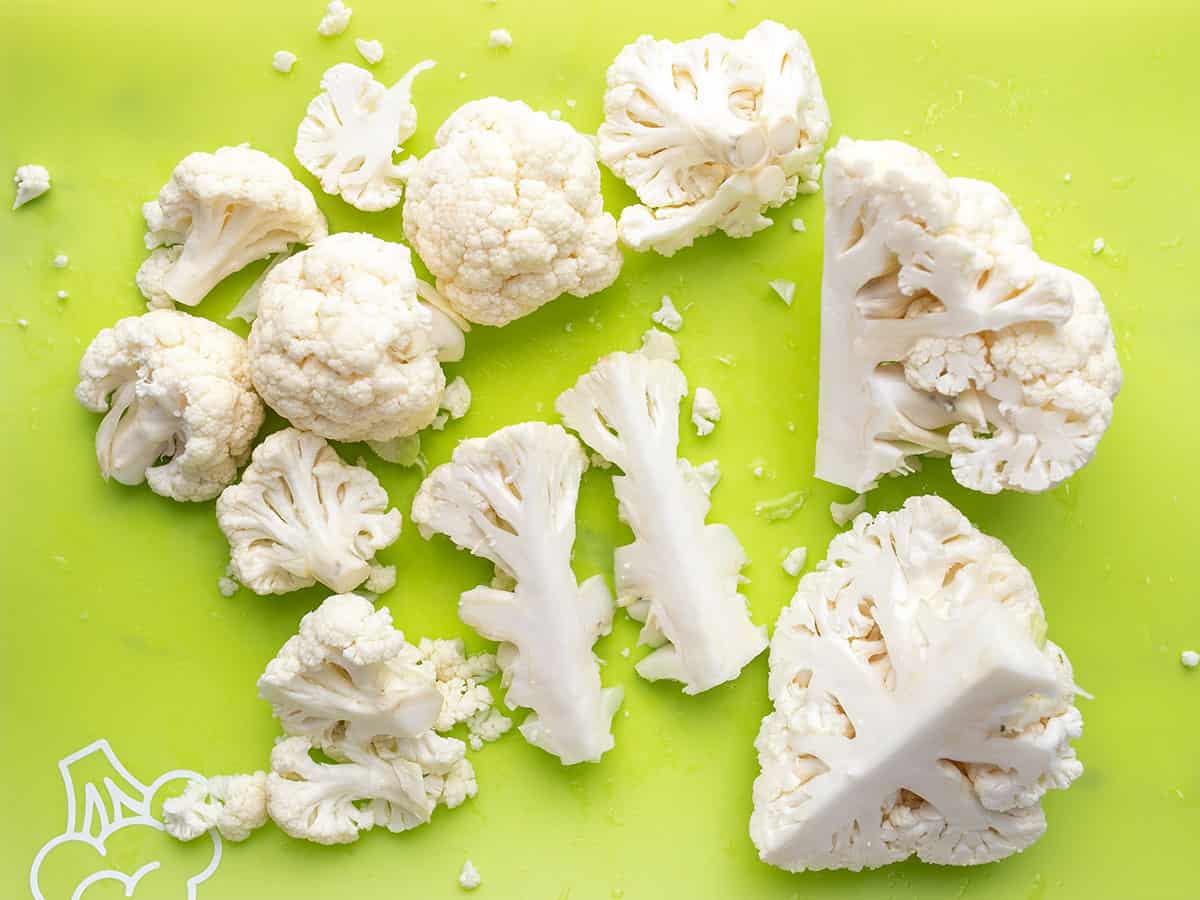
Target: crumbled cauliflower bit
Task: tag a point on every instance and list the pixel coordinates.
(1067, 178)
(227, 586)
(499, 37)
(844, 513)
(667, 315)
(32, 181)
(625, 652)
(336, 19)
(1190, 658)
(462, 76)
(706, 412)
(781, 508)
(371, 51)
(61, 295)
(784, 288)
(456, 398)
(659, 345)
(234, 805)
(460, 679)
(23, 323)
(1098, 246)
(757, 470)
(61, 261)
(283, 60)
(794, 562)
(798, 225)
(487, 725)
(570, 103)
(707, 475)
(381, 580)
(468, 878)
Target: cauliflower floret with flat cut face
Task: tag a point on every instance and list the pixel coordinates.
(944, 333)
(919, 708)
(235, 805)
(341, 346)
(506, 212)
(181, 411)
(301, 515)
(228, 209)
(711, 132)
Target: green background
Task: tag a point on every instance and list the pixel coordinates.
(112, 623)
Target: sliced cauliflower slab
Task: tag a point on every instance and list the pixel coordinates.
(506, 212)
(943, 333)
(711, 132)
(680, 576)
(227, 209)
(235, 805)
(181, 411)
(919, 708)
(301, 515)
(510, 498)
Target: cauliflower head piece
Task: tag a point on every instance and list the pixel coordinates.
(711, 132)
(506, 212)
(235, 805)
(944, 333)
(181, 410)
(919, 708)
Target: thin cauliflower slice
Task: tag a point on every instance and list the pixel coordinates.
(711, 132)
(181, 411)
(944, 333)
(301, 515)
(460, 679)
(350, 131)
(235, 805)
(510, 498)
(918, 707)
(680, 576)
(506, 212)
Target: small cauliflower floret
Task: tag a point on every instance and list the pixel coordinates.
(152, 272)
(369, 50)
(301, 515)
(283, 60)
(711, 132)
(341, 345)
(181, 410)
(667, 315)
(510, 498)
(706, 412)
(227, 209)
(459, 678)
(235, 805)
(487, 725)
(919, 708)
(336, 19)
(794, 562)
(680, 576)
(351, 129)
(468, 878)
(506, 212)
(32, 181)
(943, 333)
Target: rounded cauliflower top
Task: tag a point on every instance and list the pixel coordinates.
(507, 214)
(183, 412)
(341, 347)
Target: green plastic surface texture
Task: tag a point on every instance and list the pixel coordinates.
(112, 625)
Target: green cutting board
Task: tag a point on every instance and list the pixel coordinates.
(113, 628)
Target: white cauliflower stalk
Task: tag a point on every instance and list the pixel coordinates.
(680, 576)
(235, 805)
(506, 212)
(711, 132)
(919, 708)
(510, 498)
(943, 332)
(181, 411)
(301, 515)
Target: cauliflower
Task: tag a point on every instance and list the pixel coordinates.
(680, 576)
(369, 50)
(341, 346)
(181, 411)
(710, 132)
(351, 129)
(667, 315)
(506, 212)
(943, 332)
(336, 19)
(794, 562)
(468, 878)
(283, 60)
(227, 209)
(235, 805)
(152, 273)
(32, 181)
(510, 498)
(459, 678)
(706, 412)
(487, 725)
(918, 707)
(301, 515)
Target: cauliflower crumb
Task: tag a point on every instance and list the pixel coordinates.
(1067, 178)
(784, 288)
(625, 653)
(705, 411)
(336, 19)
(32, 181)
(227, 586)
(487, 725)
(757, 471)
(469, 878)
(794, 562)
(283, 60)
(707, 474)
(371, 51)
(456, 398)
(381, 580)
(23, 323)
(1190, 659)
(798, 225)
(843, 513)
(570, 103)
(462, 76)
(781, 508)
(61, 295)
(659, 345)
(61, 261)
(667, 315)
(500, 37)
(1098, 246)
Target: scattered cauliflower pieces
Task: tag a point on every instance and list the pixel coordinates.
(32, 181)
(1098, 246)
(659, 345)
(784, 288)
(798, 225)
(468, 878)
(487, 725)
(1190, 659)
(336, 19)
(235, 805)
(667, 315)
(794, 562)
(61, 261)
(460, 679)
(706, 412)
(844, 513)
(782, 508)
(371, 51)
(500, 37)
(283, 60)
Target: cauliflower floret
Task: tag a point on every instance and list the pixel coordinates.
(706, 412)
(369, 50)
(32, 181)
(341, 346)
(711, 132)
(336, 19)
(283, 60)
(459, 678)
(152, 272)
(667, 315)
(227, 209)
(506, 212)
(183, 413)
(301, 515)
(233, 804)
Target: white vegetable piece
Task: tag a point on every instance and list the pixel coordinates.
(711, 132)
(784, 289)
(943, 332)
(706, 412)
(843, 513)
(468, 878)
(371, 51)
(794, 562)
(301, 515)
(336, 19)
(487, 725)
(659, 345)
(182, 413)
(667, 315)
(459, 678)
(500, 37)
(153, 272)
(679, 576)
(61, 261)
(455, 402)
(235, 805)
(1190, 659)
(350, 131)
(32, 181)
(283, 60)
(510, 498)
(507, 214)
(919, 708)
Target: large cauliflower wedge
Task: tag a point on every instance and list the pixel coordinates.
(506, 212)
(918, 707)
(711, 132)
(942, 332)
(181, 410)
(301, 515)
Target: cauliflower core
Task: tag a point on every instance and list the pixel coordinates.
(918, 707)
(506, 212)
(181, 410)
(944, 333)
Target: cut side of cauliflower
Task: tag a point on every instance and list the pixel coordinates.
(711, 132)
(506, 212)
(680, 576)
(919, 708)
(235, 805)
(943, 332)
(181, 411)
(510, 498)
(32, 181)
(301, 515)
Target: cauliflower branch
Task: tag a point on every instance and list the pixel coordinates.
(235, 805)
